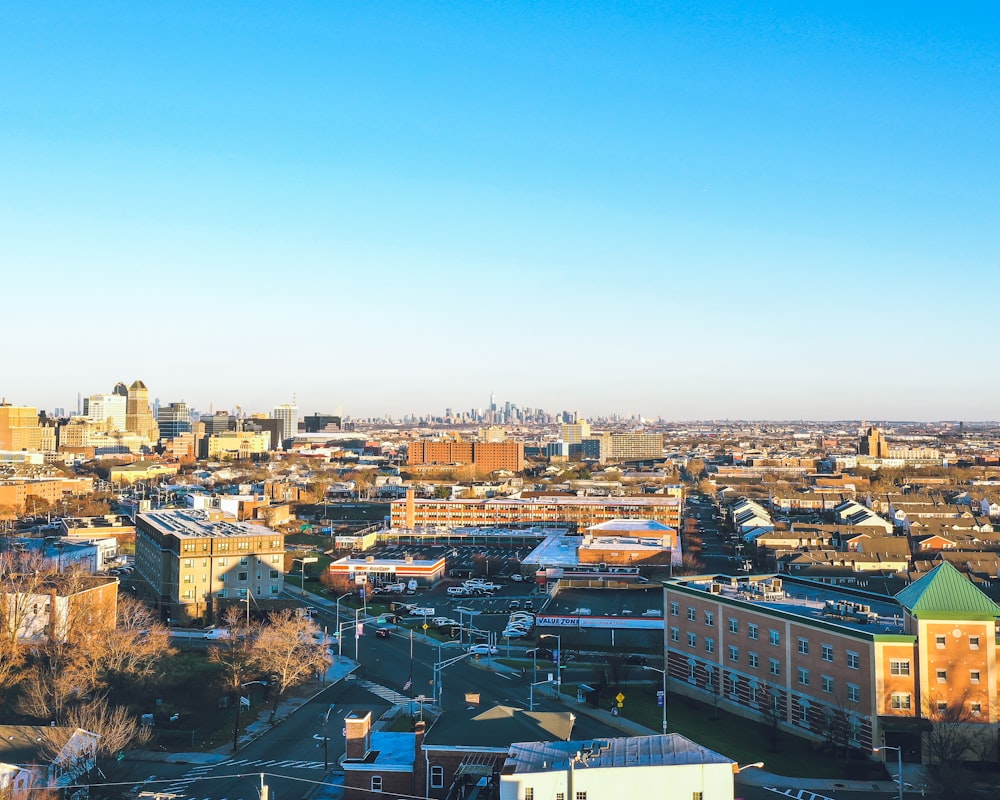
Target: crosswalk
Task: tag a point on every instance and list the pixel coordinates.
(384, 692)
(178, 789)
(801, 794)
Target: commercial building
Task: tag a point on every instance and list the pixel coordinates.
(289, 416)
(636, 446)
(192, 563)
(837, 664)
(19, 493)
(107, 409)
(504, 512)
(174, 420)
(19, 430)
(677, 767)
(574, 432)
(237, 444)
(139, 417)
(349, 573)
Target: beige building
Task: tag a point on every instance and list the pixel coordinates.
(194, 563)
(574, 432)
(19, 430)
(238, 444)
(139, 417)
(636, 446)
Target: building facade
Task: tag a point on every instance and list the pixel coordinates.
(19, 430)
(836, 664)
(192, 563)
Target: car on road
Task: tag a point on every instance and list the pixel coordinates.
(483, 650)
(382, 633)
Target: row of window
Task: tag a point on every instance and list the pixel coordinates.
(774, 638)
(224, 562)
(853, 659)
(529, 794)
(240, 576)
(941, 642)
(190, 546)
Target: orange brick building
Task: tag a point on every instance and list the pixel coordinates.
(831, 663)
(485, 457)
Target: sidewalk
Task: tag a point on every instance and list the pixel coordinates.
(340, 669)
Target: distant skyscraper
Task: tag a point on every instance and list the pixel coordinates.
(873, 444)
(174, 419)
(111, 408)
(138, 417)
(289, 416)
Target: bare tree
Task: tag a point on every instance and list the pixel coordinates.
(291, 649)
(236, 653)
(118, 728)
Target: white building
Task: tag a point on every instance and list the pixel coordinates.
(612, 768)
(289, 416)
(106, 408)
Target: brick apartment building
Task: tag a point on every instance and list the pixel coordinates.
(485, 457)
(582, 512)
(191, 563)
(815, 659)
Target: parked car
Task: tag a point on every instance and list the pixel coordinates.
(539, 652)
(517, 577)
(514, 604)
(514, 633)
(483, 650)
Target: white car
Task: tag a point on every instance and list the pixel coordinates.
(514, 633)
(483, 650)
(524, 619)
(517, 577)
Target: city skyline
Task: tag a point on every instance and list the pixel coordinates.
(747, 211)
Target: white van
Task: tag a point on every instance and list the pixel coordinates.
(457, 591)
(411, 585)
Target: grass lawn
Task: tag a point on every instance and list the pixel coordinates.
(740, 739)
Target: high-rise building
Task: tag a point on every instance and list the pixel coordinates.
(138, 416)
(19, 430)
(636, 446)
(174, 419)
(106, 408)
(289, 416)
(873, 444)
(574, 432)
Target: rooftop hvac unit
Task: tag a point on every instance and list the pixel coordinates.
(715, 588)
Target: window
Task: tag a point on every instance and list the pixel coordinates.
(437, 777)
(752, 630)
(942, 705)
(899, 701)
(753, 693)
(973, 642)
(734, 653)
(853, 660)
(734, 625)
(804, 713)
(827, 684)
(274, 573)
(560, 796)
(775, 666)
(826, 652)
(974, 676)
(581, 796)
(942, 676)
(899, 666)
(804, 646)
(188, 594)
(189, 579)
(803, 676)
(243, 545)
(976, 708)
(189, 562)
(710, 619)
(673, 609)
(940, 642)
(244, 561)
(709, 645)
(774, 637)
(376, 783)
(692, 640)
(188, 547)
(222, 593)
(223, 562)
(275, 559)
(697, 796)
(675, 635)
(690, 613)
(274, 589)
(241, 576)
(854, 693)
(752, 660)
(529, 793)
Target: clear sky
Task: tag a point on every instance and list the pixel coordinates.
(688, 210)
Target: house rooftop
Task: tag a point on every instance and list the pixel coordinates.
(633, 751)
(497, 727)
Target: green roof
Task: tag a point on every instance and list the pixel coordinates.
(945, 593)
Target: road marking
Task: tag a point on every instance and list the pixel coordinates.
(504, 676)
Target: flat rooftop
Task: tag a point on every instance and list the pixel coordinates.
(814, 601)
(632, 751)
(194, 523)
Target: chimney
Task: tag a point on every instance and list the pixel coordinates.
(419, 760)
(357, 727)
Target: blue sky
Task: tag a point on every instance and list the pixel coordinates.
(756, 210)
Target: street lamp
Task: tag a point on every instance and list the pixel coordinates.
(558, 638)
(899, 762)
(663, 672)
(239, 708)
(757, 764)
(303, 561)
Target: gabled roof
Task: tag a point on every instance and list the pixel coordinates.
(945, 593)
